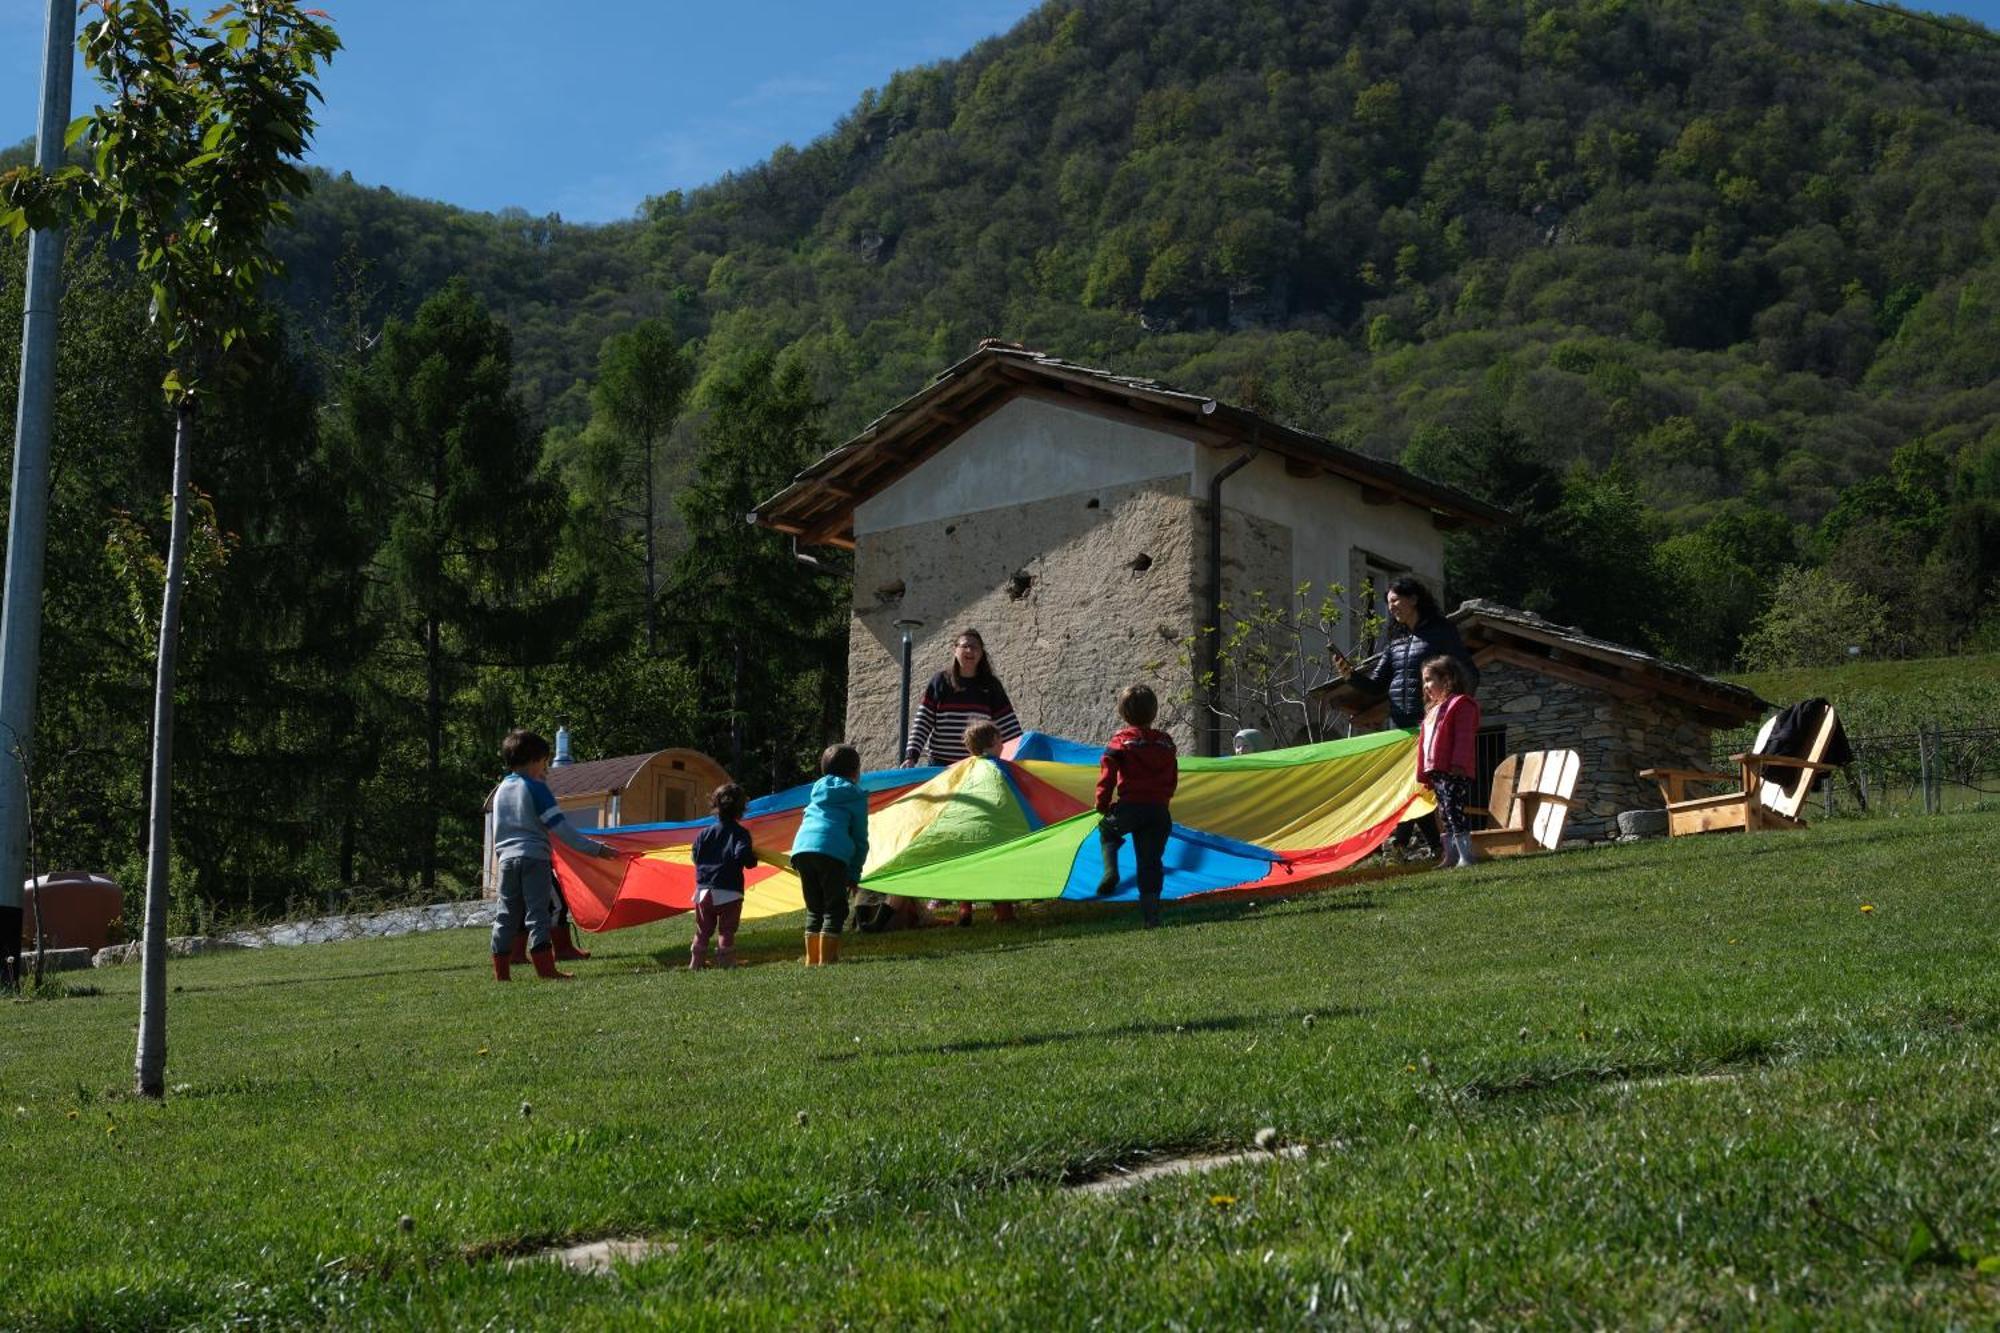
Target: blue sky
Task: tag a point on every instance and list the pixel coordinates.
(584, 110)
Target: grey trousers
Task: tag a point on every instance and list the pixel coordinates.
(525, 890)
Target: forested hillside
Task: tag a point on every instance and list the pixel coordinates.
(1709, 293)
(1732, 257)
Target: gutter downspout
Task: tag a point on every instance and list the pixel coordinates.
(1210, 735)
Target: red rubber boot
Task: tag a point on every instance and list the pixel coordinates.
(564, 940)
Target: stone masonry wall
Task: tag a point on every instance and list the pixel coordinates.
(1614, 738)
(1076, 597)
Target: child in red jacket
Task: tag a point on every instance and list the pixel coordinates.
(1136, 779)
(1446, 756)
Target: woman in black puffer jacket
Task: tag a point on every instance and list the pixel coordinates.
(1417, 630)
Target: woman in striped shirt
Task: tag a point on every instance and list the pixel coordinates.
(963, 693)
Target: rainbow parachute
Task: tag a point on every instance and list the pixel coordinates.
(1022, 827)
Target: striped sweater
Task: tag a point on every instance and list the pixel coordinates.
(946, 710)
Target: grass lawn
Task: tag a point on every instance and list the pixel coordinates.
(1686, 1084)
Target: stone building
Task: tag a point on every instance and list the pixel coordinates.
(1063, 512)
(1544, 686)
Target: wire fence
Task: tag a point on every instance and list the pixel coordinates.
(1930, 770)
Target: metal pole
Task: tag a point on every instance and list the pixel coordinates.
(27, 516)
(1208, 733)
(903, 723)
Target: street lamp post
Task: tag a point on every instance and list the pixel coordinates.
(903, 725)
(27, 524)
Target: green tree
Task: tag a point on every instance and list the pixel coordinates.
(1717, 581)
(765, 632)
(466, 530)
(192, 160)
(1576, 551)
(642, 381)
(1813, 618)
(274, 740)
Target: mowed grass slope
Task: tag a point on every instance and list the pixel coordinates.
(1678, 1084)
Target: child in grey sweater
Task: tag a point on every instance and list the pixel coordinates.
(524, 814)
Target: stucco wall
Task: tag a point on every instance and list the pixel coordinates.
(1328, 519)
(1614, 738)
(1027, 450)
(1084, 624)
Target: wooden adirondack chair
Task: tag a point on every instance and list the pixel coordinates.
(1770, 788)
(1530, 800)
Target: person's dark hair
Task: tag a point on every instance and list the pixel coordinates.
(981, 737)
(985, 669)
(1444, 664)
(1138, 705)
(727, 801)
(1413, 588)
(521, 748)
(840, 761)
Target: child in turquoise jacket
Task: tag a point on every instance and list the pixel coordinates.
(830, 849)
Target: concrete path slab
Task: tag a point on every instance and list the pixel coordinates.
(1136, 1176)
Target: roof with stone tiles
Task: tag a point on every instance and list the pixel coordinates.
(818, 507)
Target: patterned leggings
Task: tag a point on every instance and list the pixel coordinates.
(1453, 792)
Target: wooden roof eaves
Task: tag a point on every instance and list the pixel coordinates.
(917, 446)
(794, 509)
(1717, 703)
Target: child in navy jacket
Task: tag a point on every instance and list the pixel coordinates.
(721, 854)
(1136, 779)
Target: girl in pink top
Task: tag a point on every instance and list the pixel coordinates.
(1446, 759)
